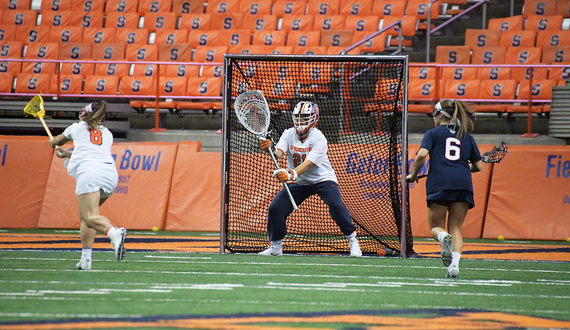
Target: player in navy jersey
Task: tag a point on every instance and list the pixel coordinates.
(95, 173)
(453, 155)
(309, 172)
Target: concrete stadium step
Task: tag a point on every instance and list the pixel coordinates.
(211, 141)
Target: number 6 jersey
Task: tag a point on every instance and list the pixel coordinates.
(93, 146)
(313, 149)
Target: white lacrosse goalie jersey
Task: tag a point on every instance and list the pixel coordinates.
(89, 146)
(314, 149)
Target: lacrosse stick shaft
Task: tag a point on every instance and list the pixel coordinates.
(284, 183)
(46, 128)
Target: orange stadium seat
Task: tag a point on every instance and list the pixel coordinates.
(11, 49)
(489, 55)
(285, 71)
(250, 49)
(28, 34)
(269, 38)
(212, 71)
(226, 21)
(422, 72)
(157, 21)
(210, 54)
(498, 89)
(88, 19)
(153, 6)
(174, 53)
(276, 50)
(146, 70)
(122, 6)
(506, 23)
(172, 86)
(18, 4)
(419, 8)
(76, 51)
(99, 35)
(137, 85)
(336, 50)
(222, 7)
(176, 36)
(541, 89)
(453, 54)
(303, 38)
(297, 23)
(87, 5)
(494, 73)
(255, 7)
(482, 38)
(195, 22)
(409, 25)
(278, 89)
(63, 34)
(55, 5)
(563, 8)
(41, 51)
(234, 37)
(34, 83)
(7, 33)
(122, 20)
(553, 38)
(6, 81)
(323, 7)
(20, 17)
(522, 74)
(203, 38)
(101, 85)
(261, 23)
(423, 90)
(539, 7)
(332, 22)
(309, 50)
(132, 36)
(355, 7)
(523, 55)
(555, 55)
(362, 23)
(182, 70)
(77, 68)
(539, 23)
(111, 69)
(336, 38)
(57, 18)
(181, 7)
(560, 73)
(518, 38)
(462, 89)
(141, 53)
(68, 84)
(459, 73)
(314, 73)
(109, 51)
(204, 87)
(376, 44)
(289, 7)
(389, 8)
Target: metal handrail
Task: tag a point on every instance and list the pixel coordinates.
(375, 34)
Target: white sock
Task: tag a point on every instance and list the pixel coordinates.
(111, 232)
(353, 235)
(86, 253)
(277, 244)
(441, 235)
(455, 257)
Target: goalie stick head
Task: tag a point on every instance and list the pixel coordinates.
(305, 117)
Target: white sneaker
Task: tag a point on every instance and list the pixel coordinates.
(272, 251)
(118, 242)
(452, 271)
(84, 264)
(446, 250)
(354, 247)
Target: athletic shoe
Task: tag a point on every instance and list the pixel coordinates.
(446, 249)
(354, 247)
(272, 251)
(118, 242)
(84, 264)
(452, 271)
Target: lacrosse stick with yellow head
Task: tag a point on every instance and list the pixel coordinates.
(36, 108)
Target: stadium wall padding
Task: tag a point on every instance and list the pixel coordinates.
(174, 186)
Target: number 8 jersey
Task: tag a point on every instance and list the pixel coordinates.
(93, 146)
(314, 149)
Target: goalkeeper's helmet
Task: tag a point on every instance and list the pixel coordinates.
(305, 117)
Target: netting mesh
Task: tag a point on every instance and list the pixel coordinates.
(360, 102)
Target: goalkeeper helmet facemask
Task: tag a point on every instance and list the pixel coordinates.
(305, 117)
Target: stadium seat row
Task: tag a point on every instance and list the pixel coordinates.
(502, 55)
(491, 73)
(516, 38)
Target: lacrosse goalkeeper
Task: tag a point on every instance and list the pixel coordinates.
(309, 172)
(94, 170)
(453, 156)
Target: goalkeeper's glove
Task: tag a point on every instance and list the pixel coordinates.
(283, 174)
(265, 144)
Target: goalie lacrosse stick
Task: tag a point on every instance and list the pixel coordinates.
(252, 112)
(36, 108)
(490, 157)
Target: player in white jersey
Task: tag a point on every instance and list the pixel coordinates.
(95, 173)
(309, 172)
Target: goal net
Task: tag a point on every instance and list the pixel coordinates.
(361, 101)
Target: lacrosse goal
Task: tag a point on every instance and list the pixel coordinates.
(362, 102)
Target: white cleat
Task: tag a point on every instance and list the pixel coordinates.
(272, 251)
(84, 264)
(452, 271)
(354, 248)
(118, 242)
(446, 250)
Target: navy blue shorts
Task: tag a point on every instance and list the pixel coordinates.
(446, 197)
